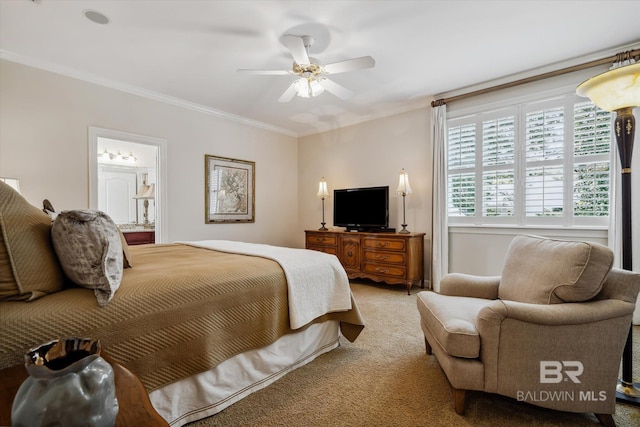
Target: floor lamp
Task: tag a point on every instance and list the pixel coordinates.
(619, 90)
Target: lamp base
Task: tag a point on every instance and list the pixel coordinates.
(404, 229)
(323, 228)
(628, 393)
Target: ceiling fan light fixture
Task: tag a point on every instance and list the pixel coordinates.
(312, 80)
(316, 88)
(308, 87)
(302, 87)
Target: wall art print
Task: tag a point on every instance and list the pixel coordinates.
(229, 190)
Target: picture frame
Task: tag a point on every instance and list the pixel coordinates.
(229, 190)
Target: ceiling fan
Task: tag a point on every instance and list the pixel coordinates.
(312, 75)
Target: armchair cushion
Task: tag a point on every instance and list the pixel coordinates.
(451, 320)
(545, 271)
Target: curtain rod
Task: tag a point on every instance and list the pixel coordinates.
(615, 58)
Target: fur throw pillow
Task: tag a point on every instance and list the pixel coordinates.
(89, 248)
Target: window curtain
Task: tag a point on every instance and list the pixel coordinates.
(440, 232)
(615, 214)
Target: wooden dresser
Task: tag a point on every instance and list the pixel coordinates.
(393, 258)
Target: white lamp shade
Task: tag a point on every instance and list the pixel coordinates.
(323, 192)
(614, 89)
(147, 191)
(12, 182)
(403, 183)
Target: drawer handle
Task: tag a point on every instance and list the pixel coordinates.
(385, 258)
(380, 270)
(349, 253)
(383, 244)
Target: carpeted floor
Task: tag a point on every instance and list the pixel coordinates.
(385, 378)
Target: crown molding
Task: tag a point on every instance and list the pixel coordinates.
(316, 128)
(135, 90)
(415, 104)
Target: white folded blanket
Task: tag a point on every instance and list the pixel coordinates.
(316, 282)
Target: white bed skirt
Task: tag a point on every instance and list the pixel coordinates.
(208, 393)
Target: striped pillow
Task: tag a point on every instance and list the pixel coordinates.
(29, 268)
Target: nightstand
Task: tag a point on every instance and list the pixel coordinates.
(139, 237)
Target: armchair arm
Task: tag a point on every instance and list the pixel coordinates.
(466, 285)
(516, 337)
(556, 314)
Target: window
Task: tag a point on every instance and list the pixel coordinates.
(538, 163)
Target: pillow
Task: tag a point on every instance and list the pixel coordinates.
(29, 268)
(89, 248)
(47, 208)
(546, 271)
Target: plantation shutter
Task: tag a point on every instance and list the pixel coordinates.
(544, 153)
(461, 163)
(592, 140)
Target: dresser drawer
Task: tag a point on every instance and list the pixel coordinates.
(385, 270)
(319, 239)
(386, 257)
(385, 244)
(325, 249)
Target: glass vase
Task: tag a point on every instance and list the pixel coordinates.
(69, 384)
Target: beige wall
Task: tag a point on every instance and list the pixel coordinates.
(372, 154)
(481, 250)
(43, 141)
(366, 155)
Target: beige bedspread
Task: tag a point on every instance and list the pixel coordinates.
(316, 281)
(179, 311)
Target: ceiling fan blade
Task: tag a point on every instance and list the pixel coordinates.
(334, 88)
(298, 51)
(350, 65)
(289, 93)
(266, 72)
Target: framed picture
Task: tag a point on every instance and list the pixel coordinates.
(229, 190)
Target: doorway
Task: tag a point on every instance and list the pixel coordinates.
(127, 180)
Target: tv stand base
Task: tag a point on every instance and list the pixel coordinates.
(371, 230)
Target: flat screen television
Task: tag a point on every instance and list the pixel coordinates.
(361, 209)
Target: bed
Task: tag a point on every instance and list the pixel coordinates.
(202, 324)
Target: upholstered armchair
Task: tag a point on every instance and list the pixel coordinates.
(549, 331)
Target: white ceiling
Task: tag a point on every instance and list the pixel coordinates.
(188, 51)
